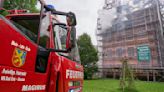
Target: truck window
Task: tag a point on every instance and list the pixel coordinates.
(60, 34)
(28, 25)
(44, 37)
(44, 31)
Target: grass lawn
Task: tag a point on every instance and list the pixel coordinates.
(109, 85)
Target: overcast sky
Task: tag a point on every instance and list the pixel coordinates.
(86, 13)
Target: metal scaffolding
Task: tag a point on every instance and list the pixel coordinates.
(133, 26)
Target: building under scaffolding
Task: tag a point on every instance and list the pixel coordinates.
(136, 32)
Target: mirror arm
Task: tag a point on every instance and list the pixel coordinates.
(62, 25)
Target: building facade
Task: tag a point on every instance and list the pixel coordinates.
(135, 32)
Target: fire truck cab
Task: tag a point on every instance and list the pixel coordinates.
(39, 53)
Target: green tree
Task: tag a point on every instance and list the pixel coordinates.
(21, 4)
(127, 78)
(88, 55)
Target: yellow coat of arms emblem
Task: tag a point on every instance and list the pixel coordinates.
(19, 57)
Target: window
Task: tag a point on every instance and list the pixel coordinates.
(130, 51)
(44, 37)
(60, 35)
(44, 31)
(110, 53)
(119, 52)
(28, 25)
(129, 37)
(41, 61)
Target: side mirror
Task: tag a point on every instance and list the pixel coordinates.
(71, 19)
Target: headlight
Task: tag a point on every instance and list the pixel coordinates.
(75, 90)
(71, 90)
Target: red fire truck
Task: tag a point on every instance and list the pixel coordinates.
(39, 53)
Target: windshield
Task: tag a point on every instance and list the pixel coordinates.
(28, 25)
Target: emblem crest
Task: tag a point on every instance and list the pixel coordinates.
(19, 57)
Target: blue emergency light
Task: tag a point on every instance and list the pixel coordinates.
(51, 6)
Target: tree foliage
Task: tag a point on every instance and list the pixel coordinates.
(21, 4)
(127, 78)
(88, 55)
